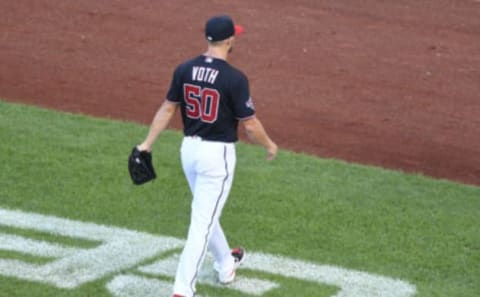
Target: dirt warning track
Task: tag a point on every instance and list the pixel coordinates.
(381, 83)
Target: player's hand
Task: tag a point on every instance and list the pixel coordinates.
(144, 147)
(272, 151)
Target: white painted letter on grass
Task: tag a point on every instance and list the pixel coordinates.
(119, 249)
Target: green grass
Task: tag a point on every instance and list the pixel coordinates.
(418, 229)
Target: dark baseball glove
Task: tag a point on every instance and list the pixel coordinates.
(140, 166)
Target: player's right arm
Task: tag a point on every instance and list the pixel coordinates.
(245, 112)
(257, 134)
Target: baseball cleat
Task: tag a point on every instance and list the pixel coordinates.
(239, 256)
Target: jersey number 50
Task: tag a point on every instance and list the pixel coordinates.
(202, 103)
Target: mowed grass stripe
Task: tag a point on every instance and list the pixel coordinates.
(404, 226)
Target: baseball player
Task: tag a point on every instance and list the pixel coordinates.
(213, 98)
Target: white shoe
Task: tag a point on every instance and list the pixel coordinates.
(239, 256)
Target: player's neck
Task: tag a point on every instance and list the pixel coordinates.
(217, 52)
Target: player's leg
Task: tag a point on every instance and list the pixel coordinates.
(218, 243)
(220, 249)
(188, 155)
(214, 167)
(188, 158)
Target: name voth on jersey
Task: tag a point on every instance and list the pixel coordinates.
(204, 74)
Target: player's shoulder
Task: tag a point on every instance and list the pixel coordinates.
(236, 74)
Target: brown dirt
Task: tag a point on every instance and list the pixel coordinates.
(388, 83)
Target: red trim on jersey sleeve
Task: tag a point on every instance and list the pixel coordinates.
(173, 101)
(247, 118)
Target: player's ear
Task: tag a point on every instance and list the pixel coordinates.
(230, 40)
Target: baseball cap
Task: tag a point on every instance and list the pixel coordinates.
(221, 27)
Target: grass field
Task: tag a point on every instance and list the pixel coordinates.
(410, 227)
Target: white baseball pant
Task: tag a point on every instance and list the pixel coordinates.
(209, 168)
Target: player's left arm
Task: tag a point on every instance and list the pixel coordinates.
(160, 122)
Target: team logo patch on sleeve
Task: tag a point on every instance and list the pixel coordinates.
(249, 103)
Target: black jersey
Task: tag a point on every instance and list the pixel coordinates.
(213, 95)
